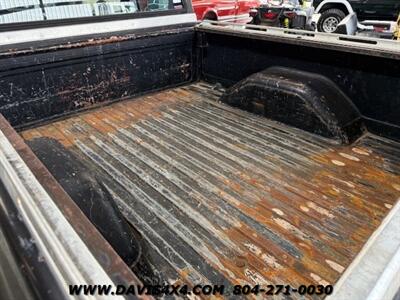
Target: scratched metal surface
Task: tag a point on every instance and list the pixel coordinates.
(222, 196)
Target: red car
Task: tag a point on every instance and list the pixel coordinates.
(224, 10)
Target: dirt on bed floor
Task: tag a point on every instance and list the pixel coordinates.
(222, 196)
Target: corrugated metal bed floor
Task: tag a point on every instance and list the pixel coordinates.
(221, 196)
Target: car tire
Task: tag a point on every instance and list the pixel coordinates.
(330, 19)
(210, 16)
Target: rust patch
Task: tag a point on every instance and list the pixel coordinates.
(284, 214)
(13, 52)
(101, 250)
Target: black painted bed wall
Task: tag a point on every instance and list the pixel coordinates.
(45, 82)
(48, 81)
(372, 83)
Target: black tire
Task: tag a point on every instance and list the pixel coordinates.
(210, 16)
(329, 18)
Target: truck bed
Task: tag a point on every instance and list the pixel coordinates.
(222, 196)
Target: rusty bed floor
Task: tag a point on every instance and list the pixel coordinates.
(222, 196)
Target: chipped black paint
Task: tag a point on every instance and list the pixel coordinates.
(43, 85)
(220, 195)
(89, 193)
(370, 82)
(301, 99)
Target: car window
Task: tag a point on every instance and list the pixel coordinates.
(22, 11)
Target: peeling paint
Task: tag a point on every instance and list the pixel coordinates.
(389, 206)
(255, 277)
(319, 209)
(360, 151)
(319, 279)
(303, 208)
(396, 186)
(338, 162)
(271, 261)
(335, 266)
(253, 248)
(350, 157)
(278, 211)
(286, 225)
(222, 195)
